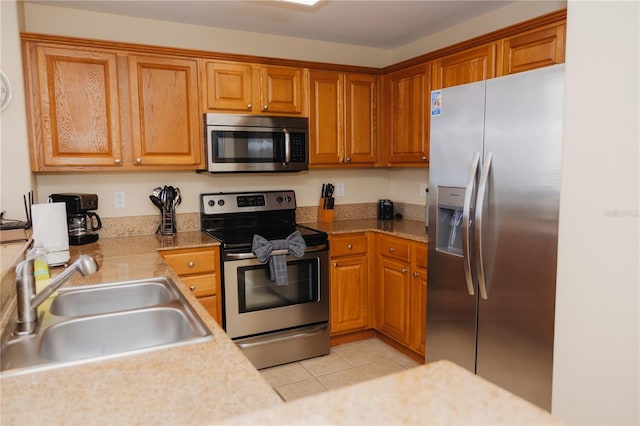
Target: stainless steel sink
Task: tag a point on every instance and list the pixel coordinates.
(91, 323)
(104, 298)
(115, 333)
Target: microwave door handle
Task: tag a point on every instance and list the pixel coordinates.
(287, 147)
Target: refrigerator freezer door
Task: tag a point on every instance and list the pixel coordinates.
(456, 135)
(519, 235)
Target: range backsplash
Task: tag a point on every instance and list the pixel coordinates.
(144, 225)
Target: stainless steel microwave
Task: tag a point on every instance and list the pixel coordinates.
(256, 143)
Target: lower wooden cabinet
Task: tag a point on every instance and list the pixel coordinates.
(402, 291)
(349, 283)
(199, 269)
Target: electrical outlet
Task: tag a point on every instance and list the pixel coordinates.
(423, 190)
(120, 200)
(340, 189)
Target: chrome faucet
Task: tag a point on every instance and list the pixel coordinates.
(28, 300)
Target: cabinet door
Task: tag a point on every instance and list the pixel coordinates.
(75, 109)
(282, 90)
(349, 294)
(534, 49)
(360, 119)
(393, 315)
(465, 67)
(228, 86)
(164, 112)
(418, 298)
(326, 122)
(407, 98)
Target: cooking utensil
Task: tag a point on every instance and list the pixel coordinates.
(178, 199)
(156, 201)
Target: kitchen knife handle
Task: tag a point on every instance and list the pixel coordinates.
(466, 222)
(482, 191)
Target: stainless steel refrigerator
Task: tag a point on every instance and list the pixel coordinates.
(494, 181)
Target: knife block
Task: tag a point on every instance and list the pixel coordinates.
(325, 215)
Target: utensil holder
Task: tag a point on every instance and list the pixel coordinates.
(167, 221)
(325, 210)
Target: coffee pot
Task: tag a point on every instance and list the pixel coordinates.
(81, 221)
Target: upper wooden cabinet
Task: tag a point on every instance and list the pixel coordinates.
(73, 106)
(342, 122)
(540, 47)
(102, 109)
(405, 139)
(165, 119)
(465, 67)
(240, 87)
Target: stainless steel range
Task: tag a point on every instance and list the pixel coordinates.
(270, 321)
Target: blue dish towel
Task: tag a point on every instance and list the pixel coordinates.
(263, 248)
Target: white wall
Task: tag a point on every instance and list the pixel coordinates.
(510, 14)
(15, 174)
(596, 343)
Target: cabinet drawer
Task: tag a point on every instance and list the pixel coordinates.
(395, 248)
(192, 262)
(420, 253)
(344, 245)
(201, 285)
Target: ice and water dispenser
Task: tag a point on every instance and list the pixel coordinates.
(449, 220)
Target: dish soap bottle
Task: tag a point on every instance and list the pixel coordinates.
(40, 265)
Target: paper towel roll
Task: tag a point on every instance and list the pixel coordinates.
(50, 231)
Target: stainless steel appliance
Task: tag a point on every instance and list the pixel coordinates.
(81, 221)
(251, 143)
(272, 324)
(494, 182)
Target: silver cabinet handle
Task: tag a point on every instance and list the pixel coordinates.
(249, 106)
(192, 288)
(117, 161)
(466, 211)
(349, 246)
(416, 274)
(191, 264)
(265, 107)
(138, 160)
(392, 249)
(335, 264)
(424, 158)
(404, 270)
(482, 190)
(348, 159)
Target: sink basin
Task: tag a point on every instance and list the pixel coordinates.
(110, 298)
(91, 323)
(111, 334)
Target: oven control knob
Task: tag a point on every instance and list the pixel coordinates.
(288, 198)
(221, 203)
(279, 199)
(212, 203)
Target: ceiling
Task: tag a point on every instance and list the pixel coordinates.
(385, 24)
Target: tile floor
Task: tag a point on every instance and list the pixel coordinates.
(345, 365)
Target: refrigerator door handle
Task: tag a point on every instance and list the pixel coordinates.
(482, 190)
(466, 223)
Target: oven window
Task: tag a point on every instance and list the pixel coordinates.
(256, 291)
(247, 147)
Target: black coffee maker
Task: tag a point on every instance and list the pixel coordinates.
(81, 222)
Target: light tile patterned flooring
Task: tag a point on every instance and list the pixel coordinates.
(345, 365)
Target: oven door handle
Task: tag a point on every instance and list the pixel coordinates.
(240, 256)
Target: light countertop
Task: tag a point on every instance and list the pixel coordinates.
(213, 383)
